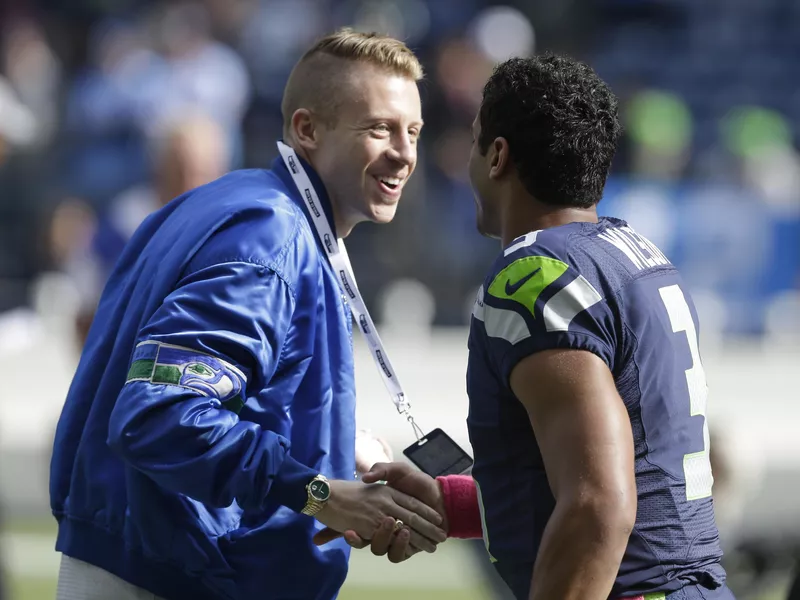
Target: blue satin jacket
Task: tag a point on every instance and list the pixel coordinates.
(217, 380)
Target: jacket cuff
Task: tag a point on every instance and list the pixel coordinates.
(289, 485)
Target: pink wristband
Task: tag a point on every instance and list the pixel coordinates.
(461, 506)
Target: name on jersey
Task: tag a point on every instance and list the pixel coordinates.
(643, 253)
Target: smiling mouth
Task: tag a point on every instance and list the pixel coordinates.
(391, 185)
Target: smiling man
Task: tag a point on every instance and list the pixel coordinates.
(212, 415)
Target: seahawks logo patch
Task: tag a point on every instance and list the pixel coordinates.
(167, 364)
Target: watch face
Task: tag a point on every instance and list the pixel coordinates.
(319, 490)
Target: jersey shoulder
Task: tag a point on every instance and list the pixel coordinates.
(606, 255)
(563, 288)
(559, 265)
(536, 297)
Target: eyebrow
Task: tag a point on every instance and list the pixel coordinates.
(376, 119)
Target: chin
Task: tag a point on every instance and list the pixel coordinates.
(382, 217)
(382, 213)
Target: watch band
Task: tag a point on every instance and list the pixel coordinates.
(312, 507)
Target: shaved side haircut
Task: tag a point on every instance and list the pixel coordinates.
(319, 81)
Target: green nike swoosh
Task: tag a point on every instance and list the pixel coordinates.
(512, 289)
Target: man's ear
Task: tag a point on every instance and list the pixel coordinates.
(304, 129)
(500, 158)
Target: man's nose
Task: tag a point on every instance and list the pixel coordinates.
(404, 150)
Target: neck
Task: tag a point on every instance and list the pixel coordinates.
(523, 214)
(343, 226)
(341, 223)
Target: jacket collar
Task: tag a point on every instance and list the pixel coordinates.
(279, 168)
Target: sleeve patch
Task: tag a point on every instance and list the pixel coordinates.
(526, 278)
(568, 302)
(165, 364)
(505, 324)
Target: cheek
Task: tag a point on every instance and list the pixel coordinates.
(346, 166)
(374, 150)
(325, 162)
(471, 167)
(414, 155)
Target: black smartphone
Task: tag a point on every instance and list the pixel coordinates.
(437, 454)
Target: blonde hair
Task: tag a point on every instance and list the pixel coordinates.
(317, 79)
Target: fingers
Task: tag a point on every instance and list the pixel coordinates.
(383, 537)
(354, 540)
(417, 506)
(386, 472)
(397, 544)
(323, 536)
(424, 534)
(400, 550)
(421, 517)
(420, 541)
(378, 472)
(387, 540)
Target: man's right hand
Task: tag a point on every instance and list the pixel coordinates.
(383, 539)
(363, 509)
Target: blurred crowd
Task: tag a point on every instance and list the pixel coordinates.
(110, 109)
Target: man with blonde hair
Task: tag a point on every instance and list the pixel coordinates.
(209, 430)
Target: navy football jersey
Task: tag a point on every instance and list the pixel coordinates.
(602, 288)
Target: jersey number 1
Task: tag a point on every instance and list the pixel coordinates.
(697, 465)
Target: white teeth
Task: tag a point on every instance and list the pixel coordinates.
(390, 180)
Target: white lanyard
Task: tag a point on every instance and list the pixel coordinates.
(337, 254)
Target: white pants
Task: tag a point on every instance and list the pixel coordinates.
(78, 580)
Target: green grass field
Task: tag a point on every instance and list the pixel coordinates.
(45, 589)
(41, 589)
(450, 574)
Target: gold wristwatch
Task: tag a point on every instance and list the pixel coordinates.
(319, 490)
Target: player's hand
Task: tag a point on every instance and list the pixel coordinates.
(371, 450)
(395, 545)
(362, 509)
(384, 540)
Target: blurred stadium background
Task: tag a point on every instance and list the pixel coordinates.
(110, 107)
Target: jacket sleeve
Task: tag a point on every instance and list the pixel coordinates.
(214, 338)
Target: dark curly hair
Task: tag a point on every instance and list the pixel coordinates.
(560, 120)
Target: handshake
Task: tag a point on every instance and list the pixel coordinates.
(399, 519)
